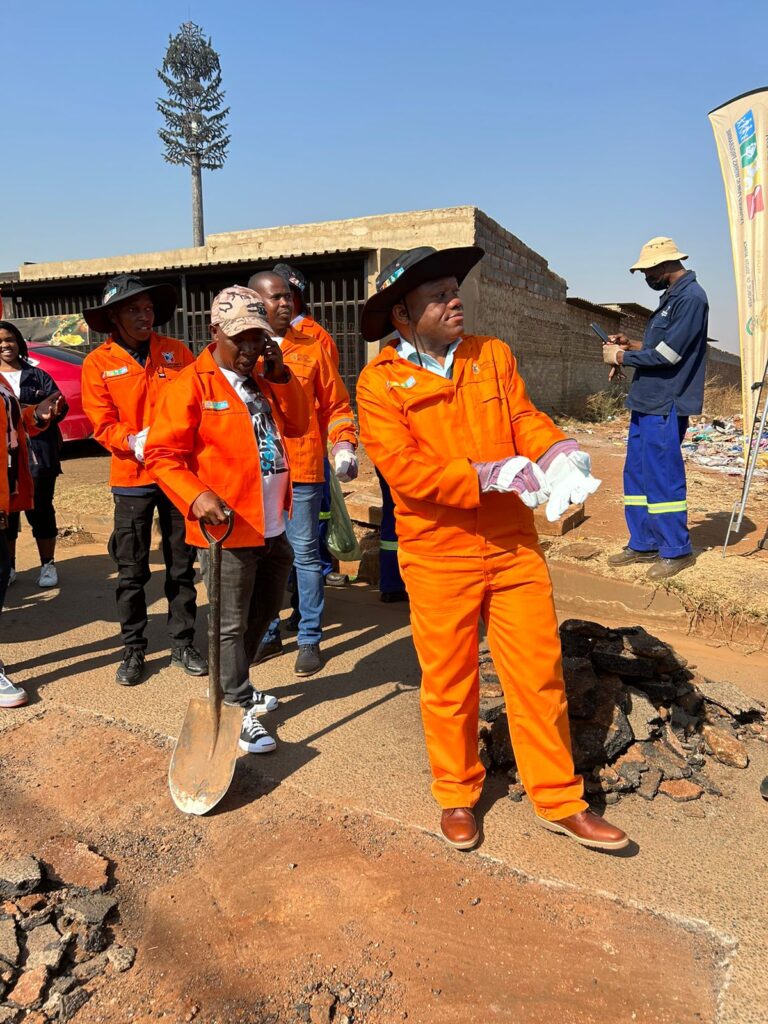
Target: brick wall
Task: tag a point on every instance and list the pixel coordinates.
(518, 298)
(522, 301)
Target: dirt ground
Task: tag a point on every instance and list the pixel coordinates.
(272, 905)
(320, 875)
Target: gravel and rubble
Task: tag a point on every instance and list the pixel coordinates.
(56, 943)
(642, 720)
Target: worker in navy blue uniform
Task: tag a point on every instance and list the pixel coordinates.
(391, 585)
(667, 388)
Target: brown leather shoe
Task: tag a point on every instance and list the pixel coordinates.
(628, 556)
(666, 567)
(589, 829)
(459, 827)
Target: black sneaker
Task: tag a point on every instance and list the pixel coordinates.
(268, 649)
(190, 659)
(131, 668)
(393, 596)
(254, 738)
(308, 661)
(292, 623)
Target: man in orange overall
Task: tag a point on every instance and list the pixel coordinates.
(122, 382)
(218, 442)
(330, 417)
(302, 321)
(446, 419)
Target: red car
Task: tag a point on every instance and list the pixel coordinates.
(66, 367)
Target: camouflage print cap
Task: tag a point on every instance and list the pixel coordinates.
(238, 309)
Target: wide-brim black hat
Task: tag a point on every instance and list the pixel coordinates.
(123, 287)
(408, 271)
(295, 279)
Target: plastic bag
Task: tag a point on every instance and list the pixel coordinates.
(341, 540)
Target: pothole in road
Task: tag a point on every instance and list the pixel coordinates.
(279, 908)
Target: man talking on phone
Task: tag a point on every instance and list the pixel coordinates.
(217, 444)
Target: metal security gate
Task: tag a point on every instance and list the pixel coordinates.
(336, 304)
(336, 295)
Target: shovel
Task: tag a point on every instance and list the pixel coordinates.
(203, 761)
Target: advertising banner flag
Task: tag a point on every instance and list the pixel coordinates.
(741, 134)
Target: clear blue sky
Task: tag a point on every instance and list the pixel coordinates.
(582, 128)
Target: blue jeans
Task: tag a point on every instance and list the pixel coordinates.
(303, 534)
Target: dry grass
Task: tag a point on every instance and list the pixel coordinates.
(729, 593)
(721, 401)
(605, 405)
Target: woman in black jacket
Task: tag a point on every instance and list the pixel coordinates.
(31, 385)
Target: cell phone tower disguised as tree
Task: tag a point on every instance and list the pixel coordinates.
(195, 130)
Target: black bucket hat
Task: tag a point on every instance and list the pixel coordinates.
(295, 279)
(123, 287)
(412, 268)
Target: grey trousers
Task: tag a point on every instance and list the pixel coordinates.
(252, 588)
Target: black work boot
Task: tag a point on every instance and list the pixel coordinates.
(190, 659)
(309, 660)
(131, 669)
(628, 556)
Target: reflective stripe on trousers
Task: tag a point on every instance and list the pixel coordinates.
(655, 505)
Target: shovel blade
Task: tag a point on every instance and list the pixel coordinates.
(204, 757)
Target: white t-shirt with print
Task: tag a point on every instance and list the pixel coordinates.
(274, 464)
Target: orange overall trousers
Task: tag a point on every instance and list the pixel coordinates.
(466, 555)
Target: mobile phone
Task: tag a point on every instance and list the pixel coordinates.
(601, 334)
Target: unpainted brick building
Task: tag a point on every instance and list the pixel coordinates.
(512, 294)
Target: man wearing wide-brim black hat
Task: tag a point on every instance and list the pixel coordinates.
(446, 419)
(122, 382)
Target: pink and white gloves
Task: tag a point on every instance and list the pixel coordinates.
(561, 477)
(344, 461)
(516, 474)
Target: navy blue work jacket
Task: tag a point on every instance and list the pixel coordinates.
(670, 367)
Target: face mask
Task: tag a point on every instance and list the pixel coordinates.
(658, 284)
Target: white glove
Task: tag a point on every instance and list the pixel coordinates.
(138, 444)
(345, 462)
(570, 482)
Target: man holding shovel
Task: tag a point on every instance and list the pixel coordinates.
(217, 444)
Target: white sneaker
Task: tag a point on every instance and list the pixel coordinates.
(254, 737)
(261, 703)
(48, 576)
(12, 577)
(10, 696)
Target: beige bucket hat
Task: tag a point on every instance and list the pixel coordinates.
(657, 251)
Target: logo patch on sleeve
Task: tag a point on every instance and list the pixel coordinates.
(411, 382)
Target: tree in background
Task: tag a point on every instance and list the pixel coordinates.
(195, 130)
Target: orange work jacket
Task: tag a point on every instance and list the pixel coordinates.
(23, 499)
(423, 433)
(306, 325)
(330, 414)
(202, 439)
(120, 395)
